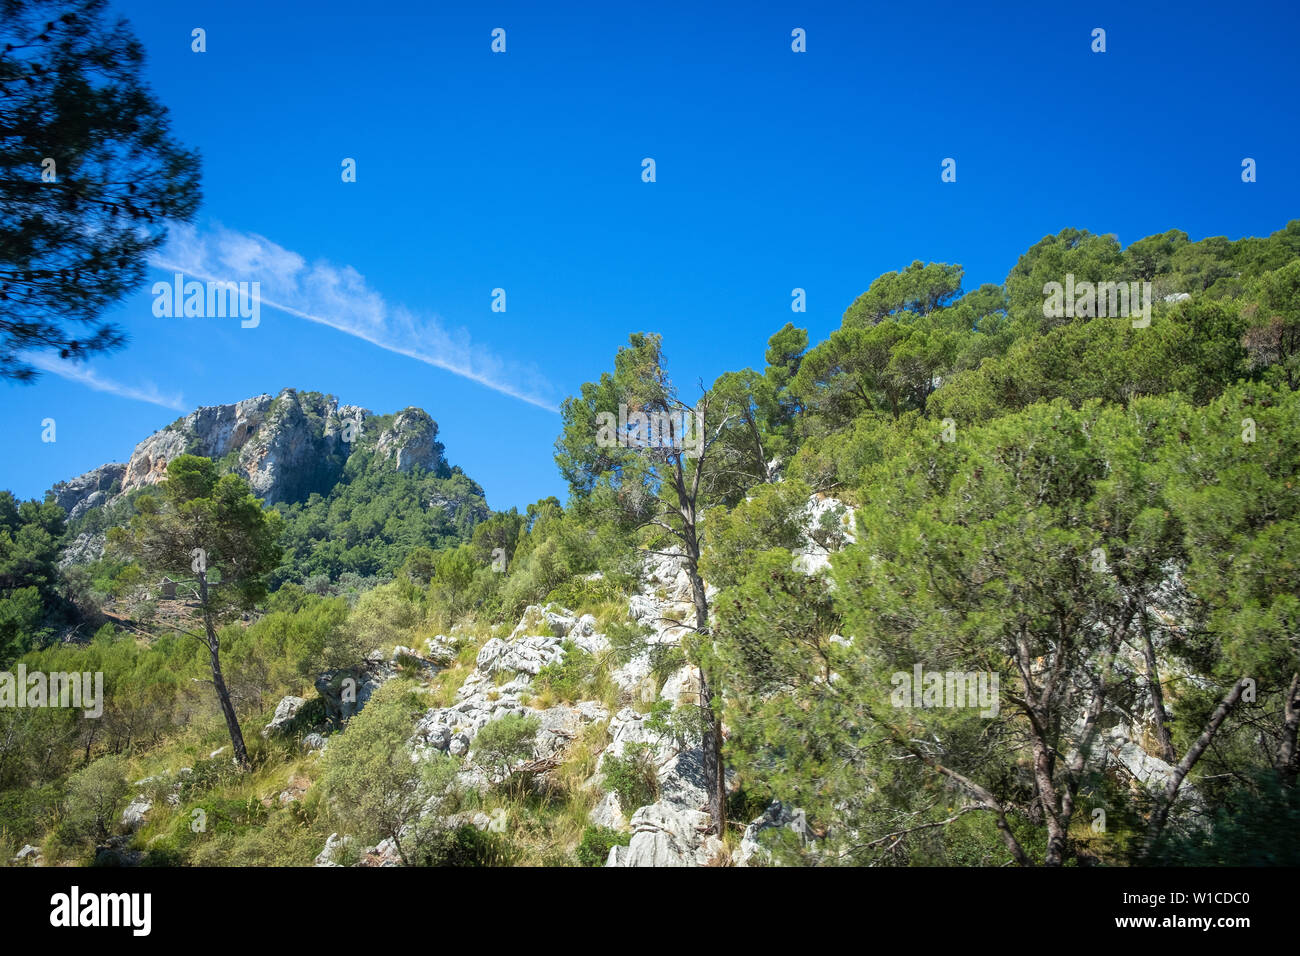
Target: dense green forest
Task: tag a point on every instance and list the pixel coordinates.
(1098, 514)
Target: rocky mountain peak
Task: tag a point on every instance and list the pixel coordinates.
(286, 446)
(411, 440)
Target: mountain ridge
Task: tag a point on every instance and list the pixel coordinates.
(288, 447)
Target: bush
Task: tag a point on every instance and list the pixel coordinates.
(593, 849)
(683, 725)
(27, 812)
(206, 775)
(503, 742)
(628, 639)
(467, 846)
(633, 777)
(583, 593)
(1259, 827)
(374, 788)
(571, 678)
(665, 661)
(94, 795)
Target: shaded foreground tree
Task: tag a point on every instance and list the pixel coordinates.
(30, 533)
(89, 176)
(1085, 565)
(215, 531)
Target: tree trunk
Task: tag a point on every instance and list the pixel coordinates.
(1167, 751)
(219, 682)
(714, 772)
(1287, 761)
(713, 768)
(1161, 813)
(1057, 836)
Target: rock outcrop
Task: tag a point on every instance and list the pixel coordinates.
(285, 712)
(286, 447)
(78, 495)
(411, 441)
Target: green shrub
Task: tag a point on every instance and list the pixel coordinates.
(683, 725)
(633, 777)
(504, 742)
(593, 849)
(25, 813)
(570, 679)
(628, 639)
(582, 593)
(207, 775)
(374, 789)
(94, 796)
(665, 660)
(467, 846)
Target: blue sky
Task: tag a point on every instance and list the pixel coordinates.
(522, 171)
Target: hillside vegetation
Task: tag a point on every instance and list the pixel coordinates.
(720, 654)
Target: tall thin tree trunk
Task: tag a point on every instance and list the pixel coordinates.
(1287, 760)
(1157, 692)
(1161, 813)
(1057, 837)
(714, 772)
(90, 741)
(219, 682)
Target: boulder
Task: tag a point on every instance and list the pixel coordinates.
(628, 727)
(383, 853)
(526, 655)
(134, 814)
(663, 835)
(334, 846)
(345, 692)
(608, 813)
(636, 680)
(285, 712)
(682, 782)
(585, 626)
(559, 621)
(682, 687)
(29, 854)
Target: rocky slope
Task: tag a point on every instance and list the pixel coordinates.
(503, 681)
(287, 447)
(664, 833)
(667, 832)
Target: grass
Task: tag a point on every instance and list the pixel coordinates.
(608, 612)
(235, 819)
(545, 822)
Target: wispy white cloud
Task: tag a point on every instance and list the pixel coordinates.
(338, 296)
(77, 372)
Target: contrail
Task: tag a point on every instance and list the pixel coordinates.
(339, 298)
(75, 372)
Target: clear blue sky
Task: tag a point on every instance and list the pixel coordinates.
(522, 171)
